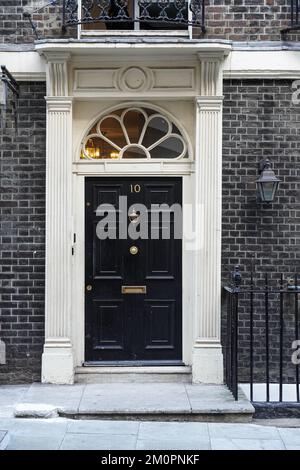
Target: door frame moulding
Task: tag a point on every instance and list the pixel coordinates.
(78, 293)
(201, 188)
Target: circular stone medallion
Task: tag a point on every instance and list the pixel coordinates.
(134, 79)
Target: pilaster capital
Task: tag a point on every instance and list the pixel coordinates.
(210, 103)
(59, 104)
(58, 57)
(211, 73)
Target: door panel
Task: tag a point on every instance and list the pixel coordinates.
(133, 327)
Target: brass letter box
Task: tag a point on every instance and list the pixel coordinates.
(134, 290)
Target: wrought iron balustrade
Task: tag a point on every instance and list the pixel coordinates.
(294, 16)
(134, 14)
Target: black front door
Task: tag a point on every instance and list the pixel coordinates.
(133, 278)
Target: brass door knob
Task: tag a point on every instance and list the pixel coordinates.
(89, 287)
(133, 250)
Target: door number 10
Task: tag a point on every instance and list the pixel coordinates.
(135, 188)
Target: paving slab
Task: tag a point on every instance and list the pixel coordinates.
(173, 430)
(172, 435)
(11, 395)
(102, 427)
(182, 444)
(242, 431)
(7, 424)
(2, 436)
(40, 427)
(65, 397)
(98, 442)
(290, 436)
(139, 398)
(29, 442)
(246, 444)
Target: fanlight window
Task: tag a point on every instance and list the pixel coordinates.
(134, 133)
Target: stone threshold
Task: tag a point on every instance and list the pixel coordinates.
(135, 401)
(128, 374)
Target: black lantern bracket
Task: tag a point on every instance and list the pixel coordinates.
(28, 16)
(9, 84)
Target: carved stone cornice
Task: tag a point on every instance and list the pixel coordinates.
(57, 73)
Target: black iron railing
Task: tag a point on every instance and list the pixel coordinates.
(125, 14)
(294, 16)
(262, 337)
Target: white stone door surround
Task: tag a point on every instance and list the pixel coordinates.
(58, 355)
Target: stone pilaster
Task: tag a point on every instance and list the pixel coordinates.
(57, 360)
(207, 351)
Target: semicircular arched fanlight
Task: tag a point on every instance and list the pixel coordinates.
(134, 133)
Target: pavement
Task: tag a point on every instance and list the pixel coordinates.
(67, 434)
(125, 432)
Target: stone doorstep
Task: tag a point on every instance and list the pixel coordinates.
(127, 374)
(210, 403)
(237, 417)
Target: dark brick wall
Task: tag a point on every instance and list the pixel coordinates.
(22, 237)
(261, 121)
(14, 28)
(247, 20)
(238, 20)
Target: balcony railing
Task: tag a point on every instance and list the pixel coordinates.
(151, 15)
(294, 16)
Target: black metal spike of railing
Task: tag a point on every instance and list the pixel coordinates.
(294, 22)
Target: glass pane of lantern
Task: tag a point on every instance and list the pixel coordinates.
(268, 190)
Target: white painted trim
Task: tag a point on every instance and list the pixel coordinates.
(29, 77)
(262, 64)
(98, 369)
(30, 66)
(140, 33)
(260, 74)
(128, 167)
(97, 47)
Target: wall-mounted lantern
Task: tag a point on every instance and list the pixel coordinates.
(267, 183)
